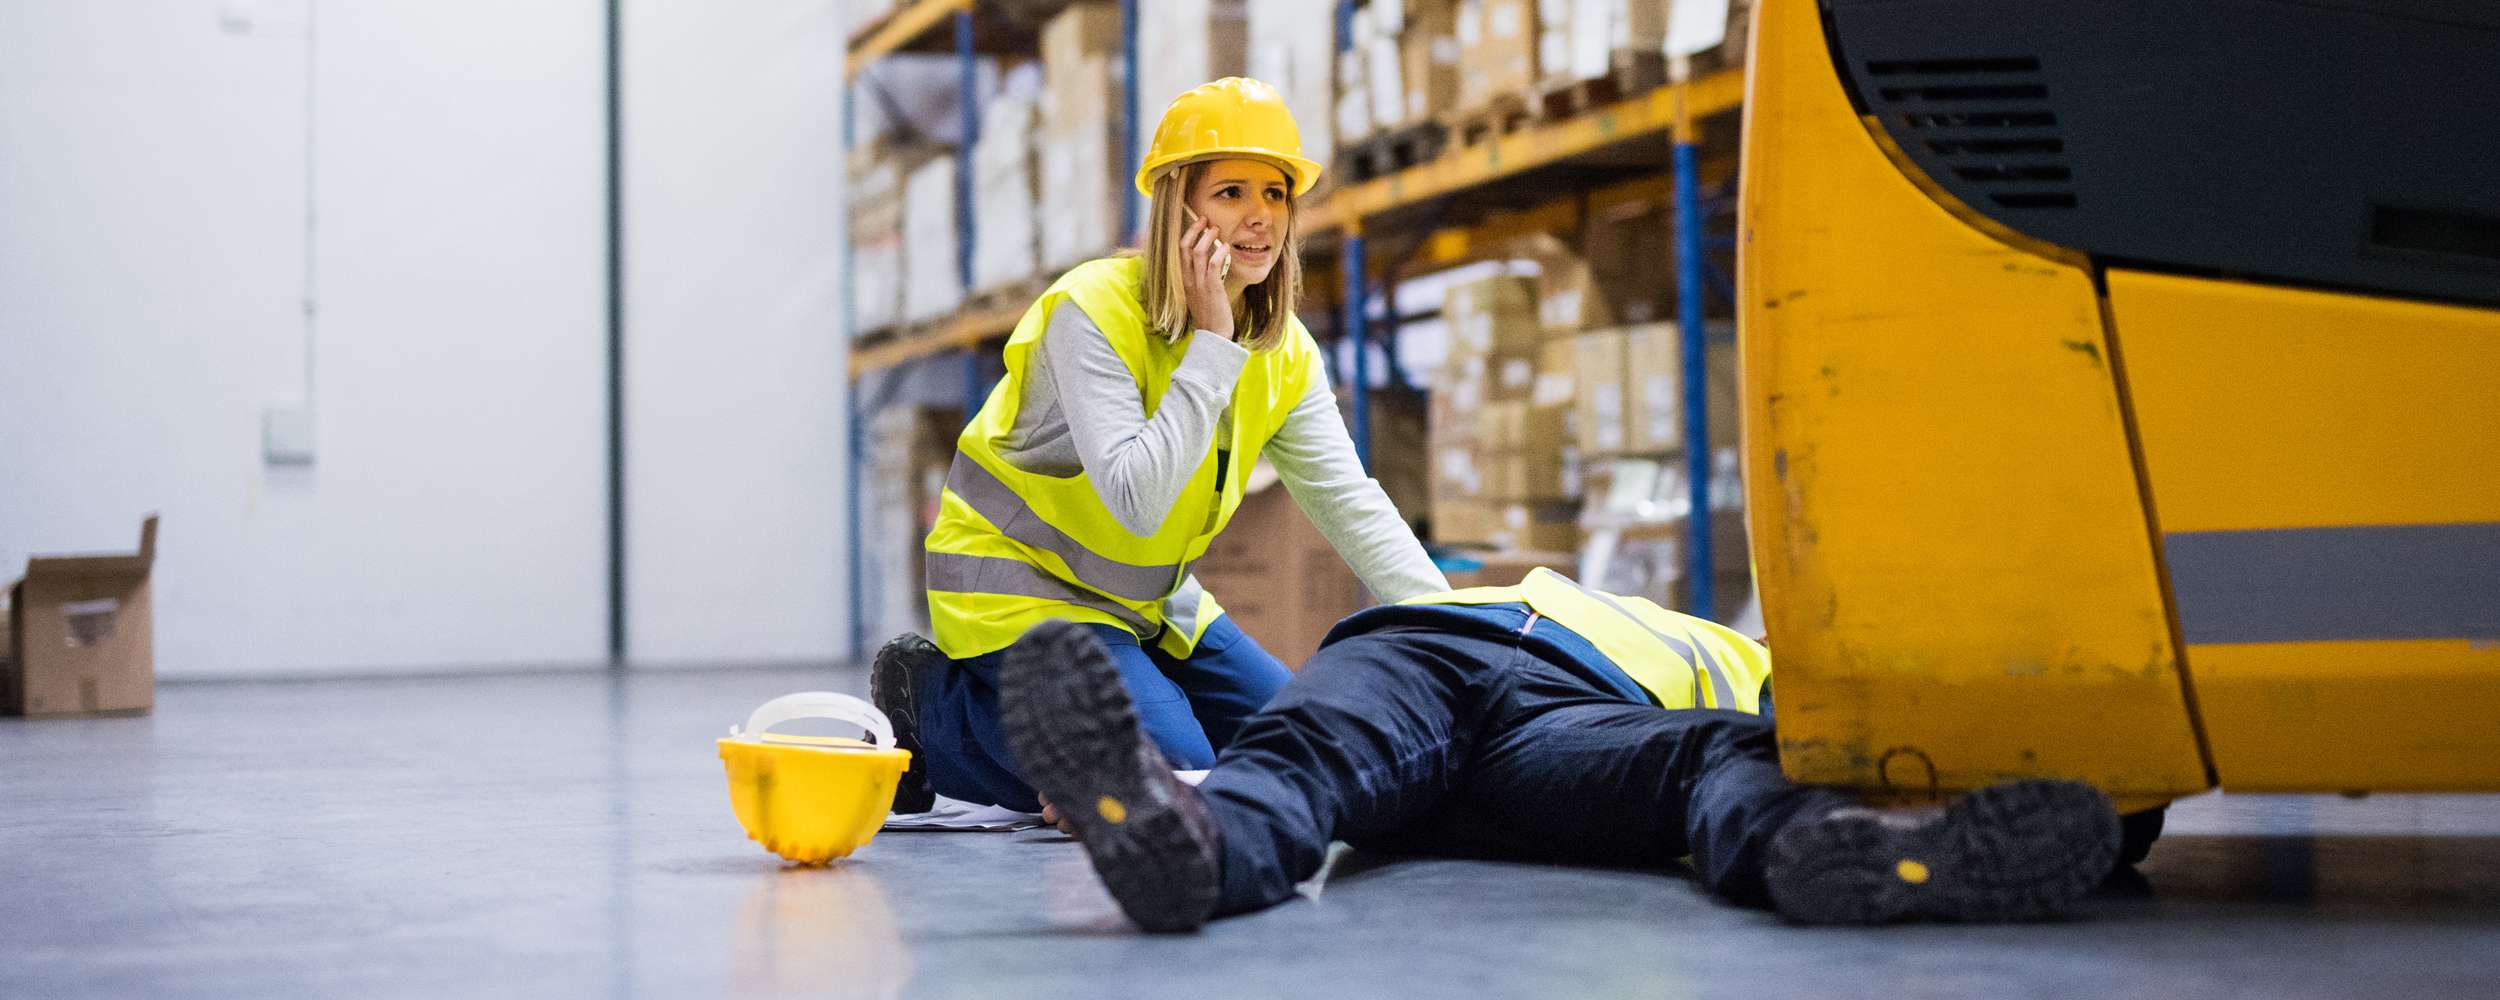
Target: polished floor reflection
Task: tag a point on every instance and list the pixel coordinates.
(569, 835)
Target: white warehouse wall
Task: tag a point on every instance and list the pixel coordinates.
(451, 515)
(154, 263)
(735, 362)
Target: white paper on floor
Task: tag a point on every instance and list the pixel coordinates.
(966, 817)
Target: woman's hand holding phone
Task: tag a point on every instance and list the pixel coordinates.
(1204, 262)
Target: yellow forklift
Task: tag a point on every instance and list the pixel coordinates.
(2122, 391)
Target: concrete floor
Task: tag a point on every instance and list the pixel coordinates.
(569, 835)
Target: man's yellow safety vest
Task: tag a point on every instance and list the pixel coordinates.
(1012, 549)
(1686, 662)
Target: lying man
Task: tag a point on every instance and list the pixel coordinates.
(1542, 722)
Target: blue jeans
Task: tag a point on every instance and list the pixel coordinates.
(1485, 732)
(1191, 707)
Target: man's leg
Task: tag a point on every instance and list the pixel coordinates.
(965, 749)
(1227, 678)
(1564, 775)
(1571, 773)
(1365, 739)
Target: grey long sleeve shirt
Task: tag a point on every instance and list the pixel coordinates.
(1081, 412)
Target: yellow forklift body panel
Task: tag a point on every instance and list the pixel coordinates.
(1958, 571)
(2322, 472)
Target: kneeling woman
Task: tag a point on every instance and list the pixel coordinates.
(1140, 390)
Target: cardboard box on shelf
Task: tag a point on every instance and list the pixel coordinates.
(1648, 560)
(1602, 386)
(1705, 35)
(1493, 315)
(933, 275)
(1553, 40)
(1655, 363)
(1629, 249)
(1399, 432)
(1181, 44)
(1384, 69)
(1293, 51)
(876, 237)
(1354, 96)
(1497, 46)
(909, 452)
(1085, 30)
(1455, 474)
(1524, 475)
(1428, 59)
(81, 636)
(1006, 199)
(1549, 525)
(1520, 425)
(1277, 576)
(1601, 28)
(1557, 375)
(1081, 83)
(1494, 334)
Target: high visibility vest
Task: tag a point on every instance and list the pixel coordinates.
(1012, 549)
(1686, 662)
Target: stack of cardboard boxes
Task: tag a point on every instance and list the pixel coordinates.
(1504, 467)
(910, 448)
(877, 236)
(1401, 68)
(1180, 45)
(1557, 431)
(1588, 39)
(1497, 50)
(1006, 202)
(1083, 83)
(933, 275)
(1293, 47)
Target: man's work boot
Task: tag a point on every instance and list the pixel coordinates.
(894, 686)
(1072, 726)
(2014, 851)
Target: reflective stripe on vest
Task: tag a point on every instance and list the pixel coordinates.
(950, 571)
(1697, 655)
(994, 500)
(1672, 655)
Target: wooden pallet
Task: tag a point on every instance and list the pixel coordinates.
(1630, 72)
(1385, 153)
(1500, 116)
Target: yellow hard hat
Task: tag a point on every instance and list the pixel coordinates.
(1235, 117)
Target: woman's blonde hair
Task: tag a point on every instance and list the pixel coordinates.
(1266, 308)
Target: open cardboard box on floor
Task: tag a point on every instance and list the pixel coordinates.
(80, 635)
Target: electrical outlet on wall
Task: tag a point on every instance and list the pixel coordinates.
(286, 434)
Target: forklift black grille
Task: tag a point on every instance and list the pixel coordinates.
(1988, 122)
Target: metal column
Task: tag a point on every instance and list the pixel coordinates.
(1129, 159)
(850, 402)
(1357, 325)
(1689, 278)
(968, 102)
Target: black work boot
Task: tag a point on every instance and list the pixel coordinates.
(1073, 728)
(2014, 851)
(894, 686)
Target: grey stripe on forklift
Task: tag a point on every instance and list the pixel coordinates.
(2344, 584)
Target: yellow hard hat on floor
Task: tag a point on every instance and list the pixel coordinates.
(1235, 117)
